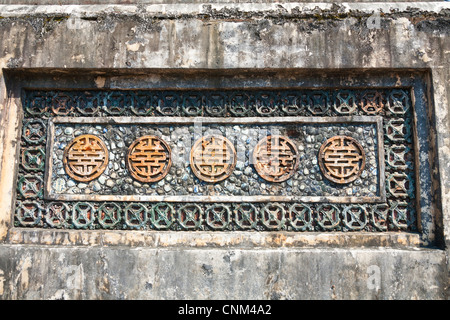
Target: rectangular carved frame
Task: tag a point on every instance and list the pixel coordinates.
(422, 126)
(377, 120)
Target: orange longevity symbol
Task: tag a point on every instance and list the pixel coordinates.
(149, 159)
(341, 159)
(85, 158)
(213, 158)
(275, 158)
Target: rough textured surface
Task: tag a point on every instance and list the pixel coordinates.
(305, 182)
(140, 273)
(234, 36)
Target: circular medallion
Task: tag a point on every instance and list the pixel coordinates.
(275, 158)
(149, 159)
(341, 159)
(85, 158)
(213, 158)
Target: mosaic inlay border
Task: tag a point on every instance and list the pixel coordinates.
(397, 212)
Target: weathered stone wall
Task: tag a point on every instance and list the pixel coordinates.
(151, 45)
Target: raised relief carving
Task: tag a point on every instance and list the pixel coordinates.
(85, 158)
(275, 158)
(149, 159)
(213, 158)
(341, 159)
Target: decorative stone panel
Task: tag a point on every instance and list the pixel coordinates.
(267, 160)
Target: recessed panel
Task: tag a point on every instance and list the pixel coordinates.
(260, 159)
(212, 160)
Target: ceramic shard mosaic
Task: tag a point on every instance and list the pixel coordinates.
(263, 160)
(210, 168)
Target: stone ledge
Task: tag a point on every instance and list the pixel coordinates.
(217, 239)
(223, 9)
(141, 2)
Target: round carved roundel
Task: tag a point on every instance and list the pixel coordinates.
(85, 158)
(341, 159)
(213, 158)
(275, 158)
(149, 159)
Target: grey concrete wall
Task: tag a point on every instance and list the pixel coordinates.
(231, 37)
(203, 274)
